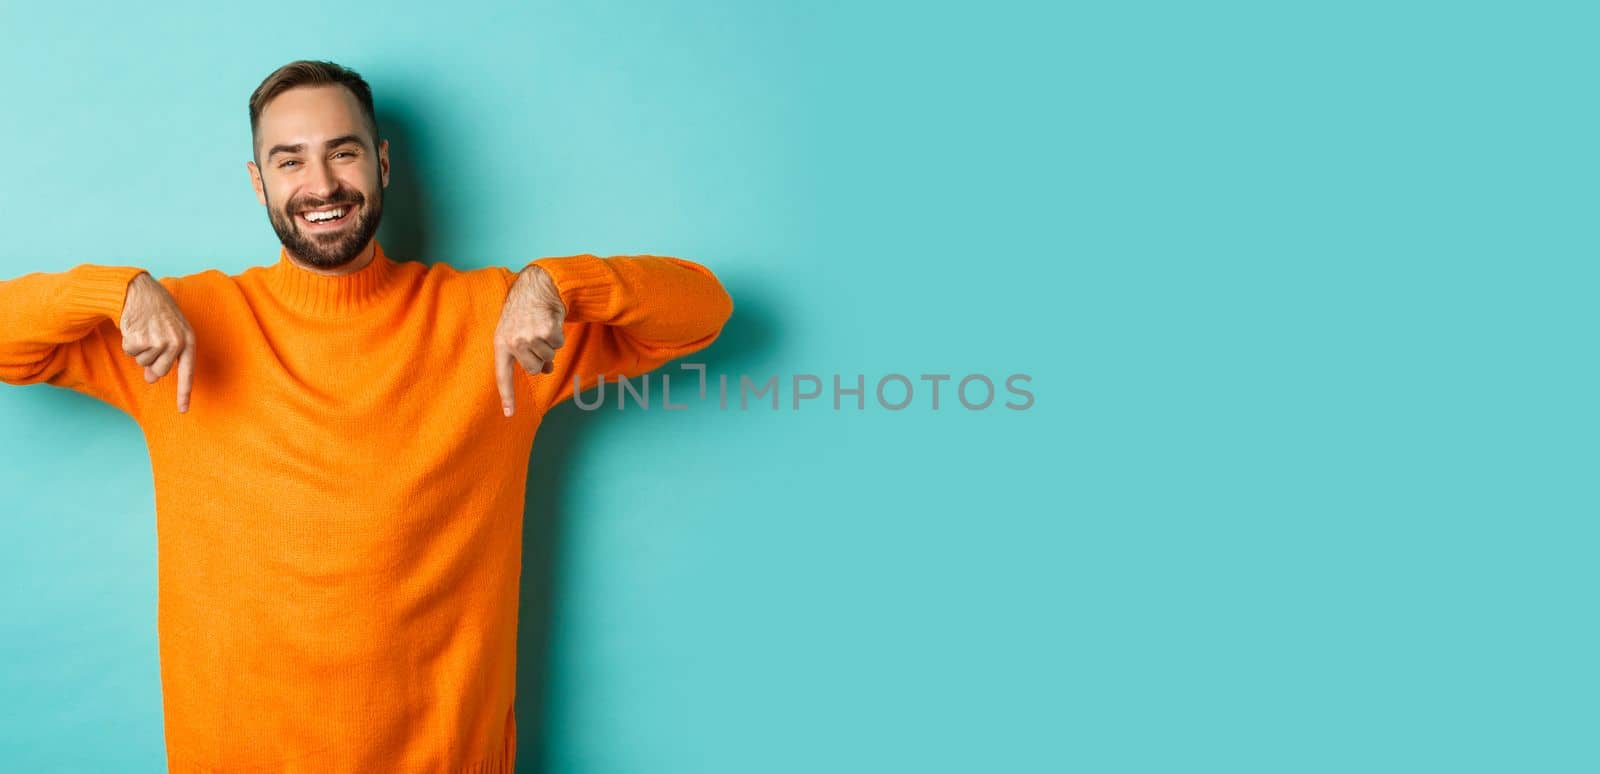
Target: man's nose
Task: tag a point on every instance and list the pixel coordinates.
(323, 182)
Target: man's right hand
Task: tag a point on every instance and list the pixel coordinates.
(155, 333)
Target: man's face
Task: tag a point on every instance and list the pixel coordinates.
(316, 154)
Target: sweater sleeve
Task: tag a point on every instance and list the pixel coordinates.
(627, 315)
(60, 328)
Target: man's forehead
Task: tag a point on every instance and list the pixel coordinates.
(310, 114)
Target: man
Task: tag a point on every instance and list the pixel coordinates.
(339, 443)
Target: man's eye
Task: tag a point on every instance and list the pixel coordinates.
(287, 163)
(344, 153)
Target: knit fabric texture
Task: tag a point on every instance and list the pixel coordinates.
(339, 513)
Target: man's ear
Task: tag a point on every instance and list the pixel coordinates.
(255, 182)
(383, 163)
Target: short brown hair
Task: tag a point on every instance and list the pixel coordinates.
(310, 72)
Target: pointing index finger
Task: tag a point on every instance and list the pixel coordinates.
(185, 377)
(503, 378)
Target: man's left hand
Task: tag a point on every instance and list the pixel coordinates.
(529, 332)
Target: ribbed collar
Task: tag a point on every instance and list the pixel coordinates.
(330, 296)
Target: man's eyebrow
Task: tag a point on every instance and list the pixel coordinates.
(333, 143)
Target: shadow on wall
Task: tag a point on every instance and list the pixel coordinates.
(404, 228)
(750, 331)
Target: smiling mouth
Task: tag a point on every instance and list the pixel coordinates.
(342, 213)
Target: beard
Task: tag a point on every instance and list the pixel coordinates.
(328, 250)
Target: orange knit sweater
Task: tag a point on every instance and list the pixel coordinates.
(339, 514)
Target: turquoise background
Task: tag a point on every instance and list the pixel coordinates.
(1307, 293)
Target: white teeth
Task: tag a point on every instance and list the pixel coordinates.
(321, 216)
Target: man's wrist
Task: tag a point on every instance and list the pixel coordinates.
(131, 291)
(535, 280)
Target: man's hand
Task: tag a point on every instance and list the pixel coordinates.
(155, 333)
(529, 332)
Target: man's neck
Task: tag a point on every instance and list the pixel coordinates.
(350, 268)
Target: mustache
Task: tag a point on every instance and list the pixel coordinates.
(302, 206)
